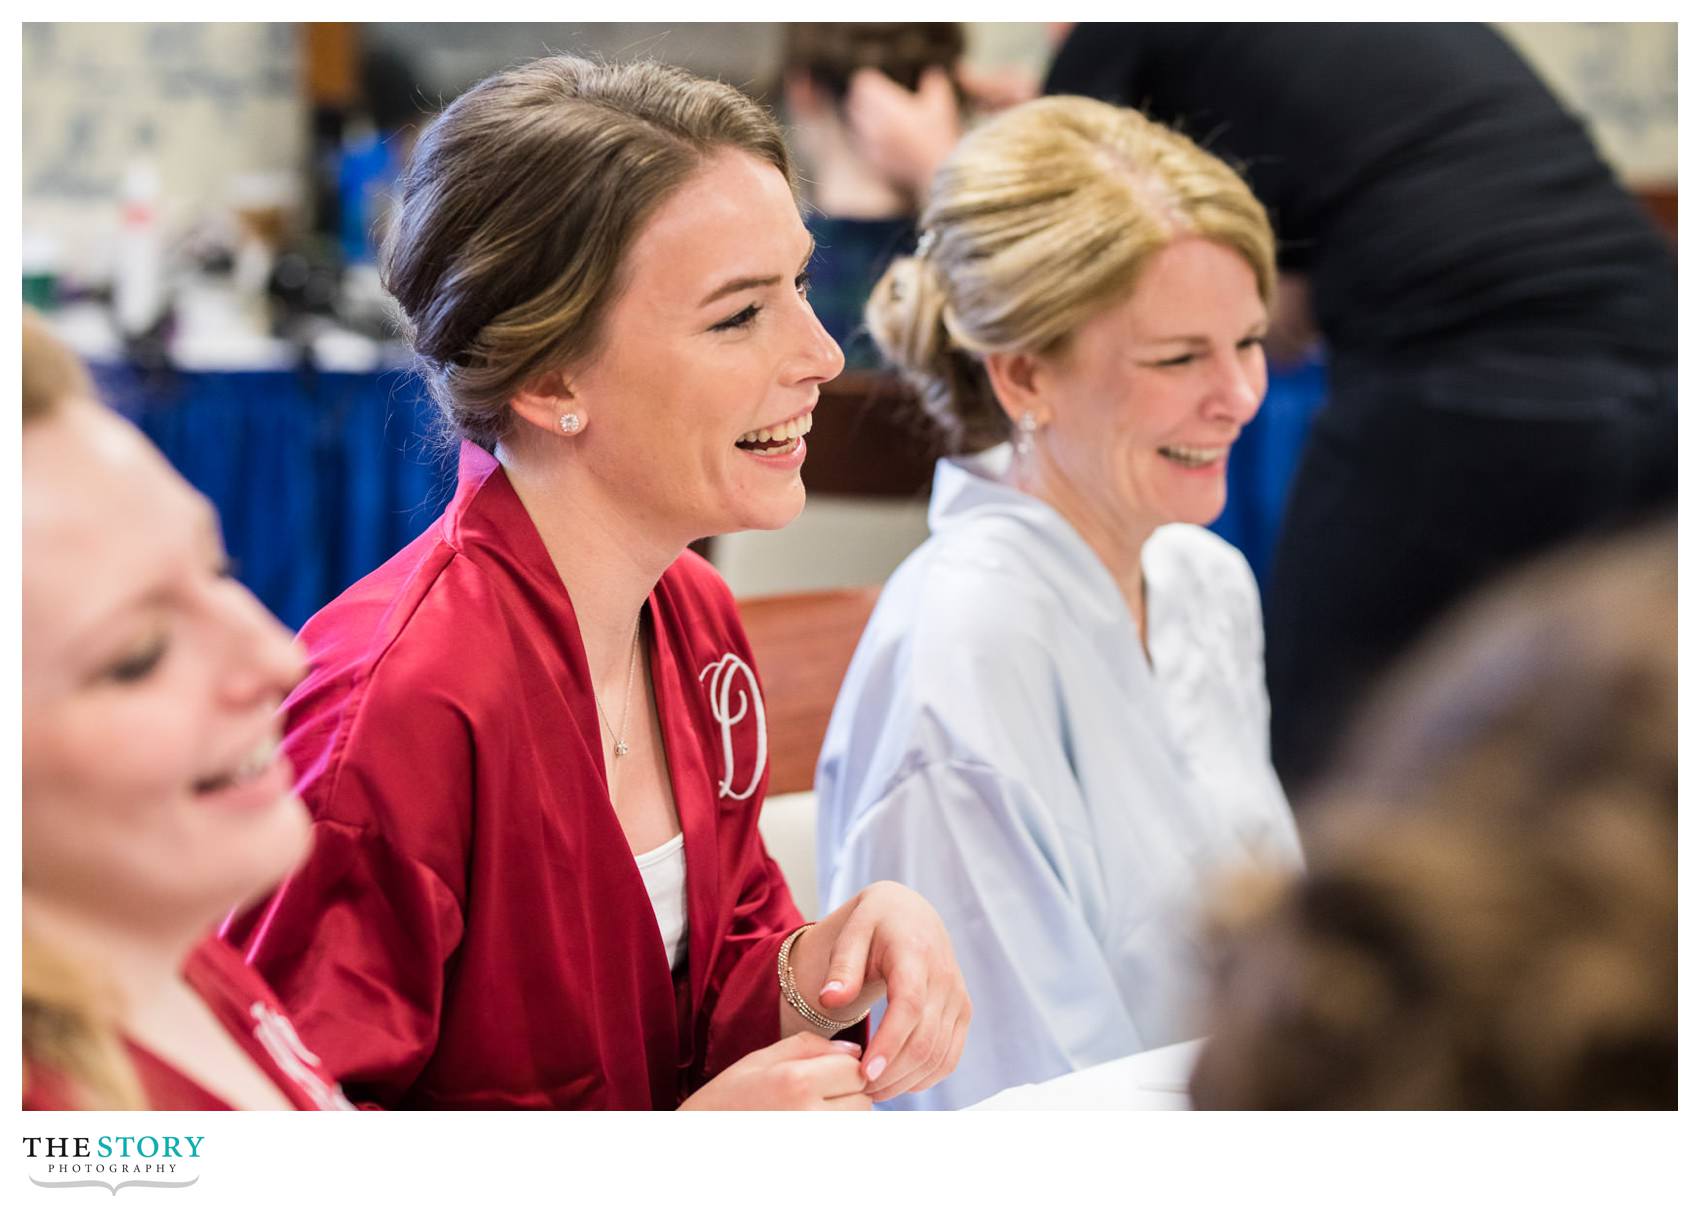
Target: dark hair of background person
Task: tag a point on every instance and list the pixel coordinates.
(67, 1019)
(1489, 915)
(517, 208)
(390, 90)
(830, 52)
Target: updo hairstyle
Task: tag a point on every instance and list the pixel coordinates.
(1038, 220)
(515, 213)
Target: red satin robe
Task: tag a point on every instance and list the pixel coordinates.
(471, 930)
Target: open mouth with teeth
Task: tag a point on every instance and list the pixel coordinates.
(780, 440)
(1193, 456)
(257, 764)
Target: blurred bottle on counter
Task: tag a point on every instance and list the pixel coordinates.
(138, 279)
(265, 205)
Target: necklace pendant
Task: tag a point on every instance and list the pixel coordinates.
(621, 749)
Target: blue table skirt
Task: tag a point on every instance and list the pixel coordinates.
(320, 477)
(1263, 461)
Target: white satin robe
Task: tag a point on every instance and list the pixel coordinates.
(1002, 745)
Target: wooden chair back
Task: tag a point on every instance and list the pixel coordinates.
(803, 643)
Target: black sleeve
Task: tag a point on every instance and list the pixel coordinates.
(1142, 64)
(1101, 59)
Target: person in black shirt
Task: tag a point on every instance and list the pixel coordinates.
(1499, 316)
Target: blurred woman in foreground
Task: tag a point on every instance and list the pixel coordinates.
(1055, 726)
(1489, 916)
(154, 795)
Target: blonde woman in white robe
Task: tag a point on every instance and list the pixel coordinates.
(1055, 727)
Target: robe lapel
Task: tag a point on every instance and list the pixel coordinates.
(677, 692)
(586, 811)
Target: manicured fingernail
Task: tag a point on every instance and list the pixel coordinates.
(848, 1045)
(875, 1068)
(832, 987)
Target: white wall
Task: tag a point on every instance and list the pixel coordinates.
(836, 542)
(225, 99)
(222, 100)
(1620, 78)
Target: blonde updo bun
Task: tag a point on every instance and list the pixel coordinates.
(905, 316)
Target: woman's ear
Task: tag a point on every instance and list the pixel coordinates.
(549, 402)
(1019, 382)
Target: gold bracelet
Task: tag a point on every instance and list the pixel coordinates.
(794, 999)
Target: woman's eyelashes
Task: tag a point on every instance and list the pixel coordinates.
(1188, 358)
(145, 657)
(742, 320)
(748, 316)
(136, 665)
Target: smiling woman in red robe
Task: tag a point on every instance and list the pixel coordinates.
(533, 742)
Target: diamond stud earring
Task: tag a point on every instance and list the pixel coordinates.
(1025, 428)
(570, 423)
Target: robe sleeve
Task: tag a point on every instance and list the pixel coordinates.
(985, 852)
(356, 941)
(1222, 623)
(1245, 609)
(355, 945)
(742, 1001)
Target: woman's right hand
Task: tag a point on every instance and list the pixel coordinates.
(802, 1072)
(905, 135)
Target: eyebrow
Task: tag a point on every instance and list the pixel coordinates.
(751, 283)
(1195, 338)
(86, 631)
(157, 595)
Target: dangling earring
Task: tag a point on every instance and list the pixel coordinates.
(570, 423)
(1025, 428)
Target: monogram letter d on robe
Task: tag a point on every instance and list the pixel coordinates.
(723, 677)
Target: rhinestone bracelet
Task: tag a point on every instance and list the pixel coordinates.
(794, 999)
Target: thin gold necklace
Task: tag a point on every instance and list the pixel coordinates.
(619, 738)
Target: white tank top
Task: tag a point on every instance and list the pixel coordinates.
(663, 871)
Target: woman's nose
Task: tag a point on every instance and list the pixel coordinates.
(1241, 382)
(819, 358)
